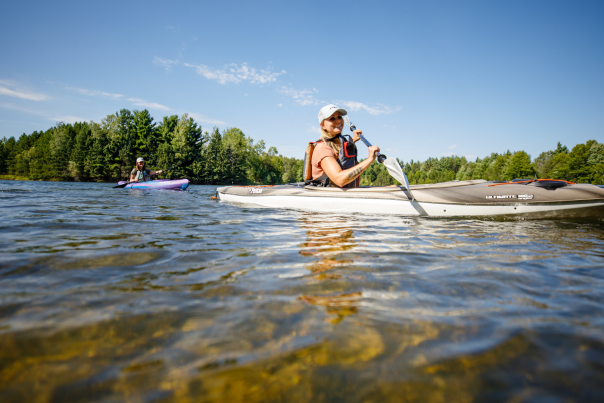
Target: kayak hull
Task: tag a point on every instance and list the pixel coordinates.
(160, 184)
(454, 199)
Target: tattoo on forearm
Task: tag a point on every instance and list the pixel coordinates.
(356, 172)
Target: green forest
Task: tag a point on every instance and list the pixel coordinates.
(107, 151)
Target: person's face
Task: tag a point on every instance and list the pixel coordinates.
(333, 124)
(140, 164)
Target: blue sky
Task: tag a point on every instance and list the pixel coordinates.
(421, 79)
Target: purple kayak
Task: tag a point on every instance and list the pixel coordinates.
(162, 184)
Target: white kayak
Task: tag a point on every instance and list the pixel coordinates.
(526, 199)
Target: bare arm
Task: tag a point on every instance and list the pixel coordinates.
(341, 178)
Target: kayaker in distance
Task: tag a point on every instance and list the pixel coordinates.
(140, 173)
(336, 155)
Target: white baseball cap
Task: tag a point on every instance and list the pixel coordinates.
(329, 110)
(140, 159)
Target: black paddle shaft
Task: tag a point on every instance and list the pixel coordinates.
(380, 157)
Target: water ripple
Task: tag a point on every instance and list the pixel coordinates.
(114, 295)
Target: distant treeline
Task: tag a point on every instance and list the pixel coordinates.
(583, 164)
(107, 151)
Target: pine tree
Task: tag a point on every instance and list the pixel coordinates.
(144, 136)
(95, 160)
(79, 151)
(578, 165)
(238, 167)
(519, 166)
(212, 165)
(119, 151)
(9, 149)
(187, 142)
(292, 170)
(40, 158)
(596, 154)
(560, 149)
(226, 160)
(3, 156)
(60, 147)
(164, 154)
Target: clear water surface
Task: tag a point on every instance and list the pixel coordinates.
(157, 296)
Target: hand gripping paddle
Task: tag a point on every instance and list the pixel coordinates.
(394, 169)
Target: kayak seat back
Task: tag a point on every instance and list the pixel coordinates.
(549, 184)
(307, 170)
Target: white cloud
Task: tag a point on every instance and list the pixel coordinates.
(307, 97)
(20, 93)
(452, 146)
(165, 63)
(315, 129)
(95, 93)
(201, 118)
(68, 119)
(379, 109)
(280, 105)
(18, 108)
(303, 97)
(233, 73)
(150, 105)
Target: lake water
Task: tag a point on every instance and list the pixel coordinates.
(156, 296)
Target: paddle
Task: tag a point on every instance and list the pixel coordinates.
(187, 162)
(394, 169)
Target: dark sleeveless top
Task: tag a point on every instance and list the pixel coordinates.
(142, 176)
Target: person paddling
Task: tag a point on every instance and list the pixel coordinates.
(335, 155)
(140, 173)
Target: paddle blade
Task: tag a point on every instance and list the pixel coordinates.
(395, 170)
(347, 121)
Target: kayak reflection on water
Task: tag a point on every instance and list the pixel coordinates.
(325, 241)
(328, 241)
